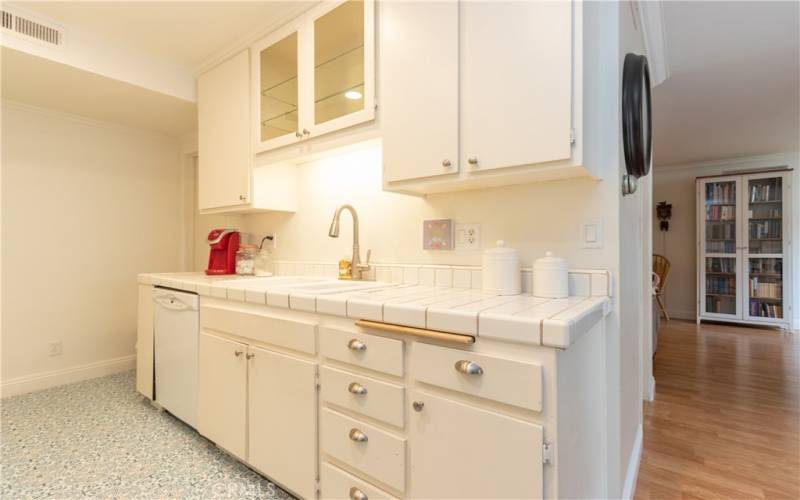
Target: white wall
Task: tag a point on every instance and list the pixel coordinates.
(676, 185)
(391, 224)
(86, 206)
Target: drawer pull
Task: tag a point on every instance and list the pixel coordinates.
(357, 389)
(418, 406)
(357, 345)
(358, 436)
(468, 367)
(238, 353)
(356, 494)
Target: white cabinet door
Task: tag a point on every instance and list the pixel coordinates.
(516, 83)
(457, 451)
(342, 54)
(223, 122)
(419, 89)
(222, 396)
(283, 419)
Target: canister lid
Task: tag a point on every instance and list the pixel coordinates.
(550, 262)
(500, 249)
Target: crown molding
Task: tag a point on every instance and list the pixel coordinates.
(789, 158)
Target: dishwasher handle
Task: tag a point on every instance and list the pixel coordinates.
(172, 303)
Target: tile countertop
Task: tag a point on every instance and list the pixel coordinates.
(521, 318)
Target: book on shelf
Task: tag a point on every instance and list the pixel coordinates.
(769, 191)
(760, 290)
(720, 213)
(720, 192)
(763, 310)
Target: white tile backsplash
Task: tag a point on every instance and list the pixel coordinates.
(582, 282)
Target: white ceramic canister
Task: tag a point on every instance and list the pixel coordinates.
(501, 272)
(550, 277)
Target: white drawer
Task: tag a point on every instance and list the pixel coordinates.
(368, 396)
(291, 334)
(507, 381)
(378, 353)
(338, 484)
(381, 455)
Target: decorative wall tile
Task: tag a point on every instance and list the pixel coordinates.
(397, 274)
(477, 279)
(579, 284)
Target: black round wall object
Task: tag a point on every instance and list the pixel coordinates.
(637, 134)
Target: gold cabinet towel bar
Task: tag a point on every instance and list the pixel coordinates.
(417, 332)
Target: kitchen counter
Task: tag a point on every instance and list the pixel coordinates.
(519, 319)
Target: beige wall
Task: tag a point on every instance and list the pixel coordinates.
(676, 185)
(533, 218)
(86, 206)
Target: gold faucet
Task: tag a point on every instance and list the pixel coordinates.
(359, 271)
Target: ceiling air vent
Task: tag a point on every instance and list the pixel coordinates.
(30, 29)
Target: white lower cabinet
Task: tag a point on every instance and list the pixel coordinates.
(283, 419)
(222, 397)
(462, 451)
(261, 406)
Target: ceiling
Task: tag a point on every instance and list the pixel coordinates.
(734, 81)
(186, 33)
(30, 79)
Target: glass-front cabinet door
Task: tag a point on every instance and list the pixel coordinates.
(315, 75)
(719, 244)
(277, 79)
(343, 65)
(765, 248)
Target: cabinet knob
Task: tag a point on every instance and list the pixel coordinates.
(356, 494)
(446, 163)
(358, 436)
(298, 134)
(238, 353)
(472, 161)
(357, 345)
(242, 197)
(357, 389)
(468, 367)
(418, 406)
(250, 356)
(306, 132)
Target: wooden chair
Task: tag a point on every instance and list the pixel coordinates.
(661, 267)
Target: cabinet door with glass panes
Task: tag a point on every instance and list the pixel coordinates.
(767, 225)
(744, 237)
(719, 244)
(315, 75)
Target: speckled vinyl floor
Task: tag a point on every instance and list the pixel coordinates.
(100, 439)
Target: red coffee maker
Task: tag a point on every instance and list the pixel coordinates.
(223, 244)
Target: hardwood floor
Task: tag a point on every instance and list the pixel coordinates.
(725, 422)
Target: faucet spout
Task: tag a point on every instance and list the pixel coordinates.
(358, 269)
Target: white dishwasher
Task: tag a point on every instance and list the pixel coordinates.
(176, 332)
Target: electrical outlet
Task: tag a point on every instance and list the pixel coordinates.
(468, 236)
(55, 348)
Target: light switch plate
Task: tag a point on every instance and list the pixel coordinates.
(591, 234)
(468, 236)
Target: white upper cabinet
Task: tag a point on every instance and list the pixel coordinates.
(419, 89)
(315, 75)
(516, 74)
(223, 117)
(227, 181)
(488, 92)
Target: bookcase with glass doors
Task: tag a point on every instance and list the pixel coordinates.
(744, 248)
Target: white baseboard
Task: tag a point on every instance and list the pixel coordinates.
(651, 389)
(54, 378)
(633, 466)
(678, 314)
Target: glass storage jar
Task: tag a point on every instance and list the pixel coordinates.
(246, 260)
